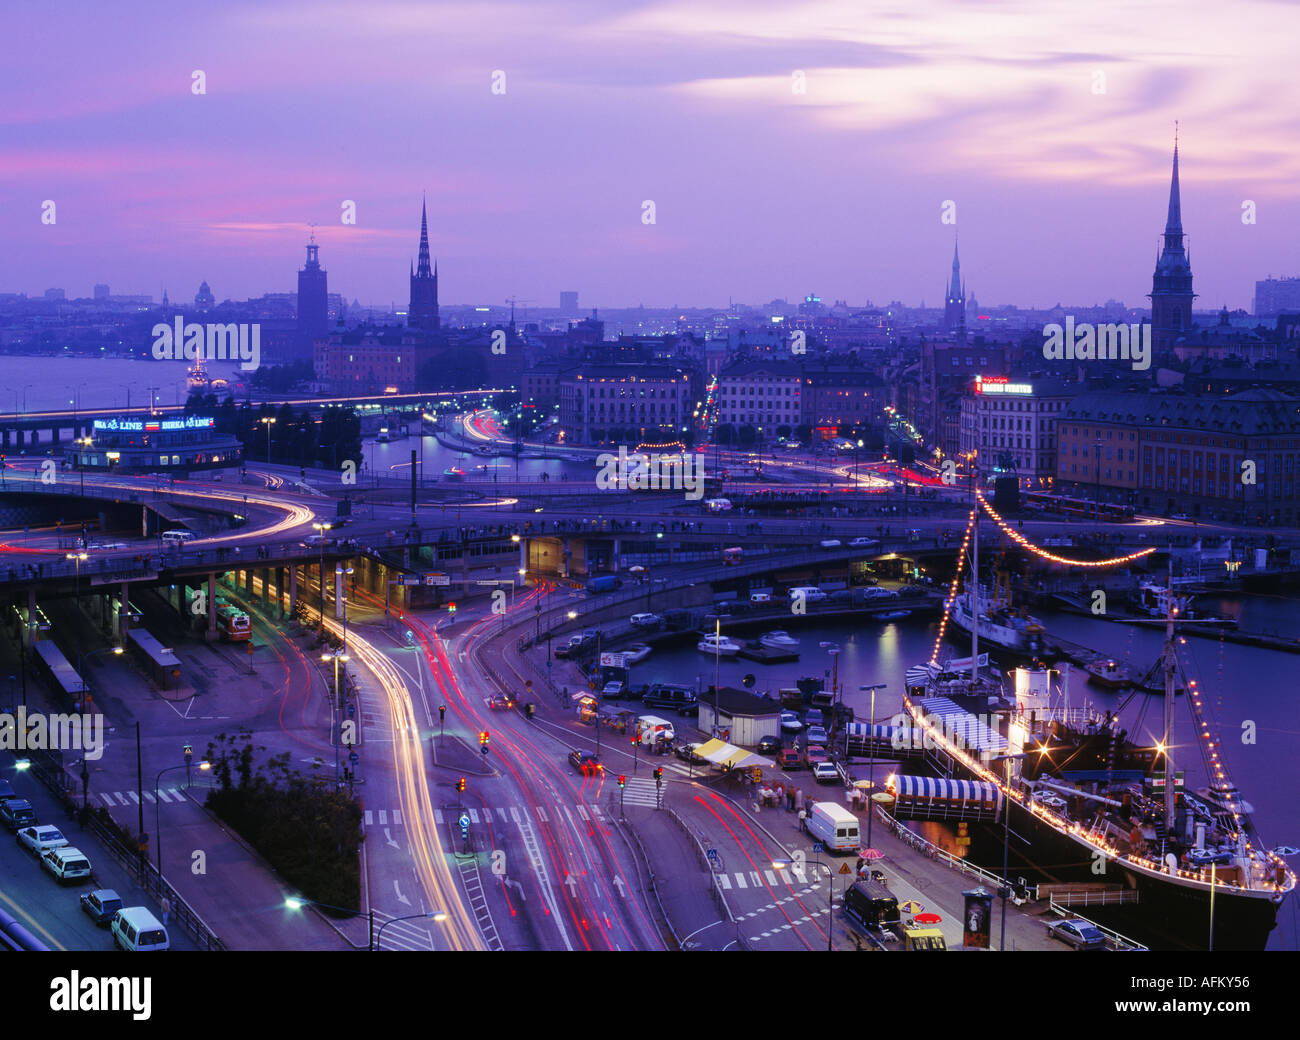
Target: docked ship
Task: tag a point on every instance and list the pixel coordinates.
(1157, 601)
(1002, 626)
(1118, 675)
(1181, 872)
(778, 640)
(718, 645)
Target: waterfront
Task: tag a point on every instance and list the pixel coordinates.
(1242, 687)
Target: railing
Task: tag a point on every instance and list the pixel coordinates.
(136, 863)
(1119, 941)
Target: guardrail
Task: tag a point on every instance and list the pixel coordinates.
(1120, 942)
(50, 773)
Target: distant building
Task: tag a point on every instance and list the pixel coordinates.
(954, 304)
(1171, 285)
(763, 394)
(1011, 424)
(55, 294)
(101, 291)
(1185, 453)
(177, 444)
(842, 396)
(370, 359)
(313, 295)
(1273, 296)
(624, 403)
(203, 299)
(423, 310)
(568, 304)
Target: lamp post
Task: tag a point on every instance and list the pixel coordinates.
(117, 650)
(320, 530)
(268, 421)
(1006, 839)
(432, 915)
(77, 557)
(871, 757)
(157, 802)
(778, 864)
(336, 656)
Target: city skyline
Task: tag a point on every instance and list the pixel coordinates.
(696, 110)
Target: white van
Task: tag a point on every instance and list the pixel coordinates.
(650, 729)
(718, 505)
(136, 930)
(808, 593)
(177, 537)
(834, 826)
(66, 863)
(760, 597)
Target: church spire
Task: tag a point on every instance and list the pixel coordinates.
(1174, 225)
(423, 270)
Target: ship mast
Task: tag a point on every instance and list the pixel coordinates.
(973, 600)
(1170, 778)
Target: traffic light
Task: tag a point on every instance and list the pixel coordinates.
(659, 775)
(622, 780)
(442, 712)
(483, 742)
(460, 785)
(451, 609)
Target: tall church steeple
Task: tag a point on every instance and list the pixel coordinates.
(423, 311)
(954, 307)
(1171, 285)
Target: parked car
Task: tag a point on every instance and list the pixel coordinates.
(1078, 933)
(825, 773)
(101, 905)
(830, 543)
(586, 763)
(17, 812)
(41, 837)
(6, 788)
(790, 722)
(66, 864)
(813, 754)
(789, 759)
(862, 542)
(646, 620)
(816, 735)
(769, 745)
(614, 689)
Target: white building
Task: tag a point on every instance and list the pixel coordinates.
(1011, 423)
(760, 393)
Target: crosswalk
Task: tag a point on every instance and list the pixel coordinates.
(396, 934)
(776, 877)
(640, 791)
(166, 796)
(514, 814)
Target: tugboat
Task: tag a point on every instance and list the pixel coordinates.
(1156, 601)
(1115, 675)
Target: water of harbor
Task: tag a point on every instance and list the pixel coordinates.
(1242, 687)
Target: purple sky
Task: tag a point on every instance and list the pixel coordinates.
(760, 193)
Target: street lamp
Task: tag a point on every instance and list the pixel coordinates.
(336, 656)
(268, 421)
(871, 757)
(433, 915)
(778, 864)
(1006, 835)
(157, 825)
(77, 557)
(320, 530)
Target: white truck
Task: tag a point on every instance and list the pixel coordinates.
(834, 826)
(650, 729)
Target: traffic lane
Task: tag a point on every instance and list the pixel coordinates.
(776, 907)
(586, 857)
(52, 911)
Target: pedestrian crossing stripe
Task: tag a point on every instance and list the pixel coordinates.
(132, 799)
(751, 878)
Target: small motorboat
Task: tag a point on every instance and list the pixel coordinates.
(778, 640)
(636, 653)
(719, 646)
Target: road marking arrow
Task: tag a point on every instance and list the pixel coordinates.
(619, 884)
(572, 882)
(400, 898)
(390, 839)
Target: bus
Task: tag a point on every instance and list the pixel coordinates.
(233, 624)
(177, 537)
(733, 555)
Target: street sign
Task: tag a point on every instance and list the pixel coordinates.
(844, 869)
(712, 855)
(437, 579)
(464, 820)
(613, 660)
(354, 758)
(818, 847)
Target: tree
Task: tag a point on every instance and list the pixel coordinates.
(748, 435)
(725, 434)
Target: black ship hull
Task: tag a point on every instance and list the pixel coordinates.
(1165, 916)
